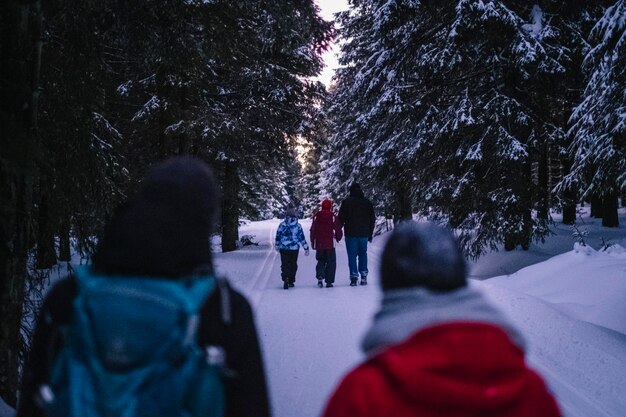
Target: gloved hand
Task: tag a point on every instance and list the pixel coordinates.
(306, 252)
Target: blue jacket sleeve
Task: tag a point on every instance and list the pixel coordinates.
(301, 238)
(278, 233)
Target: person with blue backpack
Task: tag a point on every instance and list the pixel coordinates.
(148, 329)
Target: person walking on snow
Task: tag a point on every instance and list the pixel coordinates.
(325, 229)
(358, 219)
(161, 233)
(289, 238)
(436, 347)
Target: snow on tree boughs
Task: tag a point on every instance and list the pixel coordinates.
(598, 126)
(443, 100)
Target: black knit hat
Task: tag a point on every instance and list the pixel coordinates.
(422, 255)
(355, 190)
(164, 229)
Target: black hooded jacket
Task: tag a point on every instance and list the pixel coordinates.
(357, 215)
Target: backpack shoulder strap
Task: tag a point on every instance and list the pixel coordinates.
(225, 303)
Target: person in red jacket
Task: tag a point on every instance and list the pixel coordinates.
(437, 347)
(325, 230)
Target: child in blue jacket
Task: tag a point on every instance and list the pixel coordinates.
(289, 238)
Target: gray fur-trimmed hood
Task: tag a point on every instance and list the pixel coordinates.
(406, 311)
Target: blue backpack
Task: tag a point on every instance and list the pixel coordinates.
(131, 350)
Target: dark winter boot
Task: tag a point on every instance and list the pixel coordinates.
(363, 279)
(320, 282)
(285, 285)
(328, 285)
(292, 283)
(353, 281)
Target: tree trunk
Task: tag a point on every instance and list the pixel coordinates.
(46, 251)
(597, 210)
(509, 242)
(568, 198)
(569, 207)
(163, 148)
(403, 197)
(184, 139)
(524, 237)
(230, 207)
(13, 256)
(65, 246)
(543, 194)
(610, 218)
(20, 47)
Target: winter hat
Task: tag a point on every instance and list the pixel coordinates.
(291, 211)
(422, 255)
(327, 204)
(164, 229)
(355, 186)
(355, 190)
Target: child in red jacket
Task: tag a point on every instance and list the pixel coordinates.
(326, 228)
(437, 347)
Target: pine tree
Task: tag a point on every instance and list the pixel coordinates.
(20, 62)
(125, 84)
(83, 176)
(439, 100)
(368, 105)
(237, 95)
(598, 148)
(267, 96)
(310, 185)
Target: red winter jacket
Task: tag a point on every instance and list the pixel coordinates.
(324, 229)
(453, 369)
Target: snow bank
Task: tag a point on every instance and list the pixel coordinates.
(6, 410)
(585, 284)
(583, 364)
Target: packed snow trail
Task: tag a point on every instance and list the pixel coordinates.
(583, 364)
(310, 336)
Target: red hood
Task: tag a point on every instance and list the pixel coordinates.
(325, 216)
(466, 366)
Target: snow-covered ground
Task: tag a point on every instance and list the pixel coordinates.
(571, 306)
(505, 263)
(569, 303)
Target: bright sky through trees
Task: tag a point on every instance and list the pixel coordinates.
(328, 9)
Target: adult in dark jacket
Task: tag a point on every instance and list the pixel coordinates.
(325, 230)
(436, 347)
(164, 231)
(358, 219)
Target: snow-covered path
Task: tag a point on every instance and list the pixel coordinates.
(584, 364)
(310, 336)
